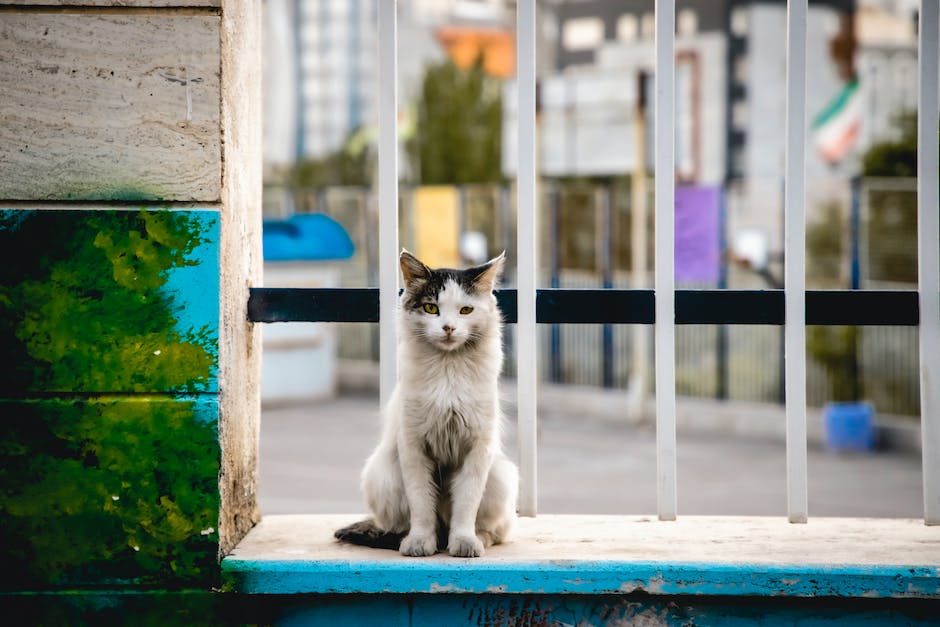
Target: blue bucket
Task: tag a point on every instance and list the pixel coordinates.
(850, 427)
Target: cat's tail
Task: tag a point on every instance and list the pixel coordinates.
(367, 533)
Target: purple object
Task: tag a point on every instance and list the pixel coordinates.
(698, 250)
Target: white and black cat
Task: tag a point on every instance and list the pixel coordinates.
(438, 477)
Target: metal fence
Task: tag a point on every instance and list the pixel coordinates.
(661, 306)
(749, 365)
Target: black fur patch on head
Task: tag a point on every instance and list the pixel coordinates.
(419, 292)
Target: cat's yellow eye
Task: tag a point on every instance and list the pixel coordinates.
(466, 310)
(430, 308)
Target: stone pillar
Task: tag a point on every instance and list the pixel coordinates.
(130, 232)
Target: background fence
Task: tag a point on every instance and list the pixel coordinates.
(586, 242)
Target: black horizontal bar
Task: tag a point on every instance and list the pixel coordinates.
(572, 306)
(863, 306)
(294, 304)
(729, 307)
(595, 306)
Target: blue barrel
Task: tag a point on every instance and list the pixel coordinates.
(850, 427)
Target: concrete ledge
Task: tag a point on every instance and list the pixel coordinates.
(716, 556)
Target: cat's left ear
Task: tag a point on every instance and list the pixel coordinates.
(485, 277)
(412, 269)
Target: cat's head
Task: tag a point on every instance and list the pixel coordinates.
(449, 309)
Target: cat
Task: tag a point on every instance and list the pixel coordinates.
(438, 477)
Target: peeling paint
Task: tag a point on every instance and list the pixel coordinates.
(586, 577)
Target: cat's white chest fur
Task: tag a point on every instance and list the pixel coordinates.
(450, 410)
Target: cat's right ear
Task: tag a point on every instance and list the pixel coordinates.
(486, 276)
(412, 269)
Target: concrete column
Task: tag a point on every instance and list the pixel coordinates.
(241, 268)
(130, 233)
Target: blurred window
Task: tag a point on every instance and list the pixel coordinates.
(687, 22)
(739, 22)
(583, 33)
(647, 26)
(628, 28)
(740, 70)
(739, 114)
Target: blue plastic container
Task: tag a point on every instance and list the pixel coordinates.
(850, 427)
(306, 237)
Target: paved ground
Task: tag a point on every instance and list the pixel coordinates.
(311, 456)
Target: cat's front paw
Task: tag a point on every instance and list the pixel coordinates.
(465, 546)
(415, 545)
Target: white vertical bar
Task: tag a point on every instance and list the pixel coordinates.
(388, 197)
(794, 248)
(527, 368)
(665, 260)
(928, 266)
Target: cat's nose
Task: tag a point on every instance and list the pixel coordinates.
(448, 329)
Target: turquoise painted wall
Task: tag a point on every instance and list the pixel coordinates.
(109, 456)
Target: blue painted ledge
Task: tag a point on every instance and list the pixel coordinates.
(714, 556)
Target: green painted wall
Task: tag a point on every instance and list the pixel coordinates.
(109, 455)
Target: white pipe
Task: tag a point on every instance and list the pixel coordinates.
(388, 197)
(527, 365)
(928, 264)
(665, 333)
(794, 263)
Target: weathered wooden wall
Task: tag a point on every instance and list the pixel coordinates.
(130, 193)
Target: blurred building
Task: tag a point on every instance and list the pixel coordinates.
(280, 79)
(320, 58)
(730, 82)
(887, 64)
(594, 59)
(321, 63)
(730, 94)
